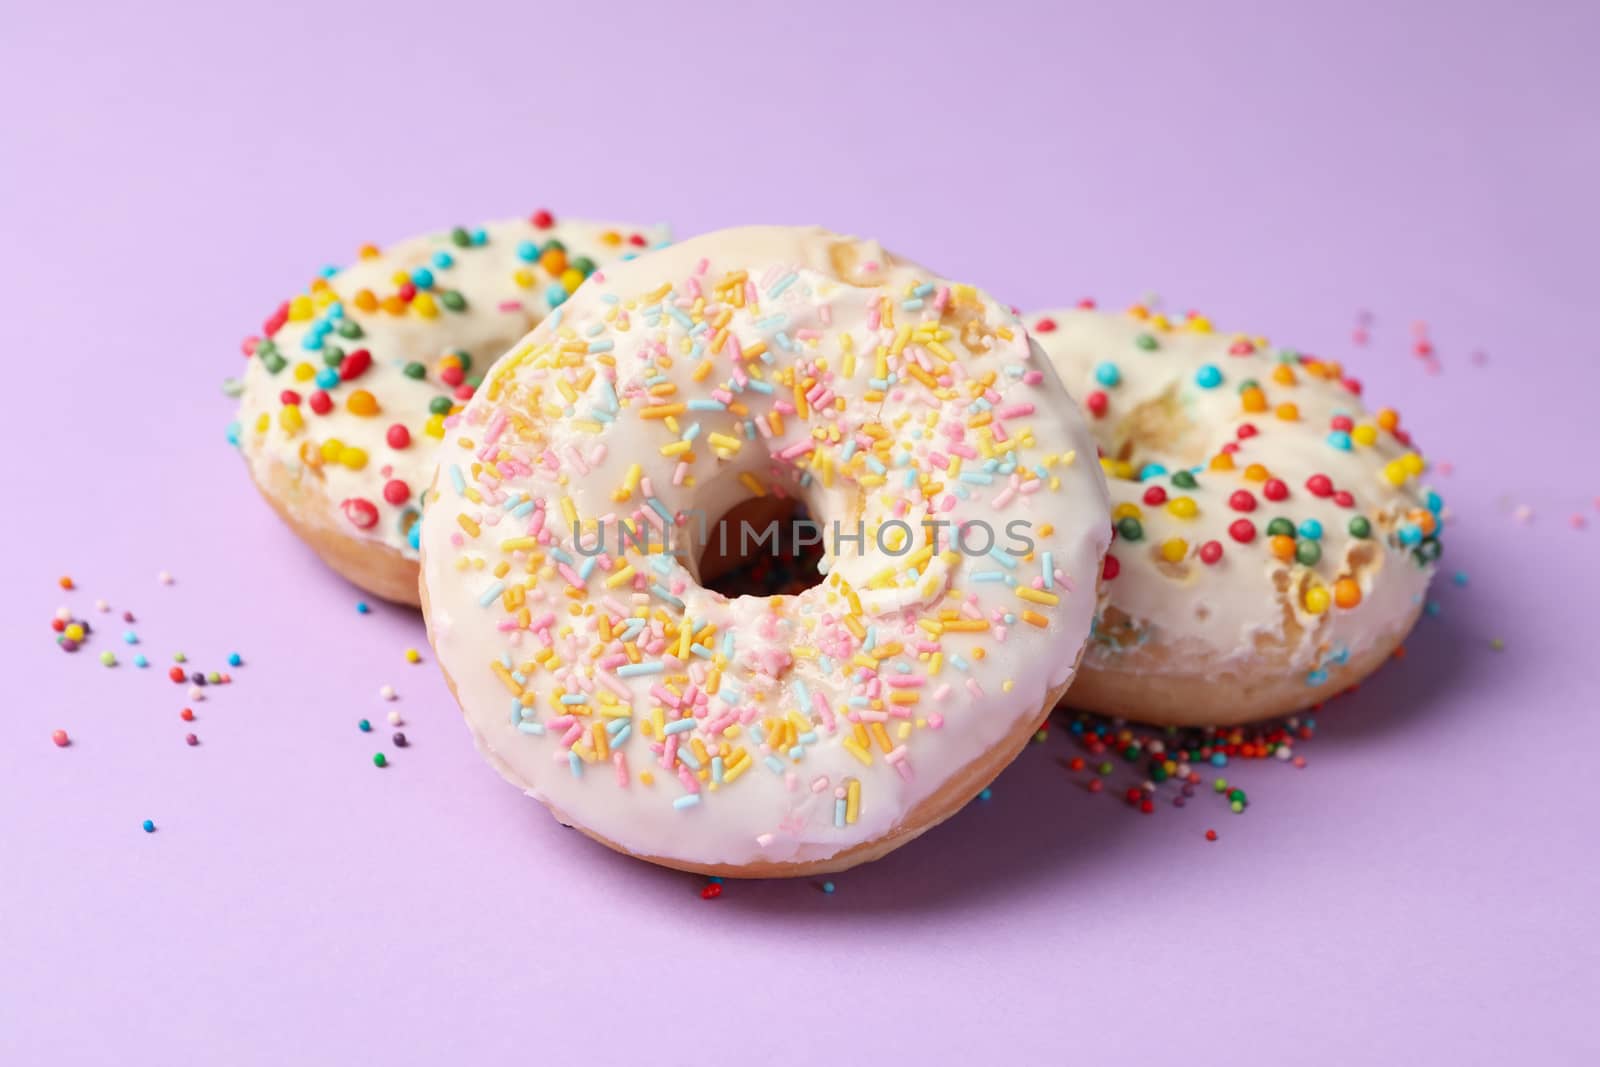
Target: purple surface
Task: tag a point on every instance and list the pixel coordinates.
(1424, 891)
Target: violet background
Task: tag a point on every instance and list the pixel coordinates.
(1425, 891)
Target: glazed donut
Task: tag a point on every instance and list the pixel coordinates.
(779, 735)
(343, 399)
(1273, 543)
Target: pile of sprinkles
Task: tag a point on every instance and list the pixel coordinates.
(919, 396)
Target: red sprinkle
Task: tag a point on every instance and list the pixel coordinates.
(1211, 835)
(177, 675)
(1096, 402)
(1111, 569)
(1045, 326)
(1242, 531)
(396, 491)
(1210, 552)
(1242, 500)
(361, 512)
(187, 715)
(355, 364)
(1274, 489)
(61, 739)
(544, 220)
(398, 436)
(711, 892)
(1155, 496)
(321, 402)
(1320, 485)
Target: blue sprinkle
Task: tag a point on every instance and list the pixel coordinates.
(688, 800)
(1311, 530)
(422, 278)
(1208, 377)
(443, 260)
(628, 670)
(527, 251)
(140, 661)
(1107, 374)
(1460, 577)
(327, 378)
(234, 659)
(555, 294)
(149, 826)
(361, 608)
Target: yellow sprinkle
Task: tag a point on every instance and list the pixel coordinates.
(468, 525)
(852, 800)
(752, 483)
(1037, 596)
(1035, 619)
(856, 749)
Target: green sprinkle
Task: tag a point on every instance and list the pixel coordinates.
(350, 330)
(1184, 480)
(1360, 527)
(1308, 552)
(1130, 529)
(179, 657)
(461, 239)
(416, 370)
(439, 405)
(1147, 341)
(1220, 785)
(453, 300)
(380, 760)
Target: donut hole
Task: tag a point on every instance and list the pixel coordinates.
(1159, 430)
(766, 546)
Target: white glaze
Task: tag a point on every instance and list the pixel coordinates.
(505, 296)
(789, 656)
(1211, 619)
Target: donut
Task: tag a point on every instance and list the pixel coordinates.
(964, 521)
(1273, 542)
(346, 388)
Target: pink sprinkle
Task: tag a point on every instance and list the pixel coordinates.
(620, 762)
